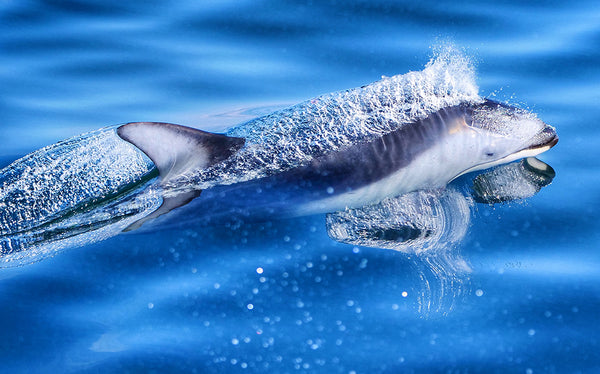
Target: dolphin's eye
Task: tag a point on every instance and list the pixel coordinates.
(489, 154)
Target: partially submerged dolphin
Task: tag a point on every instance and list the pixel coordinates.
(427, 153)
(343, 150)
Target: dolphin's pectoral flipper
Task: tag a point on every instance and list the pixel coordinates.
(169, 203)
(175, 149)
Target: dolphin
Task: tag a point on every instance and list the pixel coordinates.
(425, 154)
(337, 151)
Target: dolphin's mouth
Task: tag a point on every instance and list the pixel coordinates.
(541, 142)
(544, 140)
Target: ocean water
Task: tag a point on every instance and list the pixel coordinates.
(507, 287)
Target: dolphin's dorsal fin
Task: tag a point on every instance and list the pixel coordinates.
(175, 149)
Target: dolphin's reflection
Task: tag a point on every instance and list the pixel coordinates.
(430, 225)
(417, 222)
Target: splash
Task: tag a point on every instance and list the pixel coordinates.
(294, 136)
(70, 176)
(75, 230)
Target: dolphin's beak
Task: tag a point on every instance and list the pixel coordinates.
(541, 142)
(546, 138)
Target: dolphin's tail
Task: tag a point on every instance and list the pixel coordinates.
(177, 150)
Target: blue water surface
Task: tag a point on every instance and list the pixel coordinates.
(521, 293)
